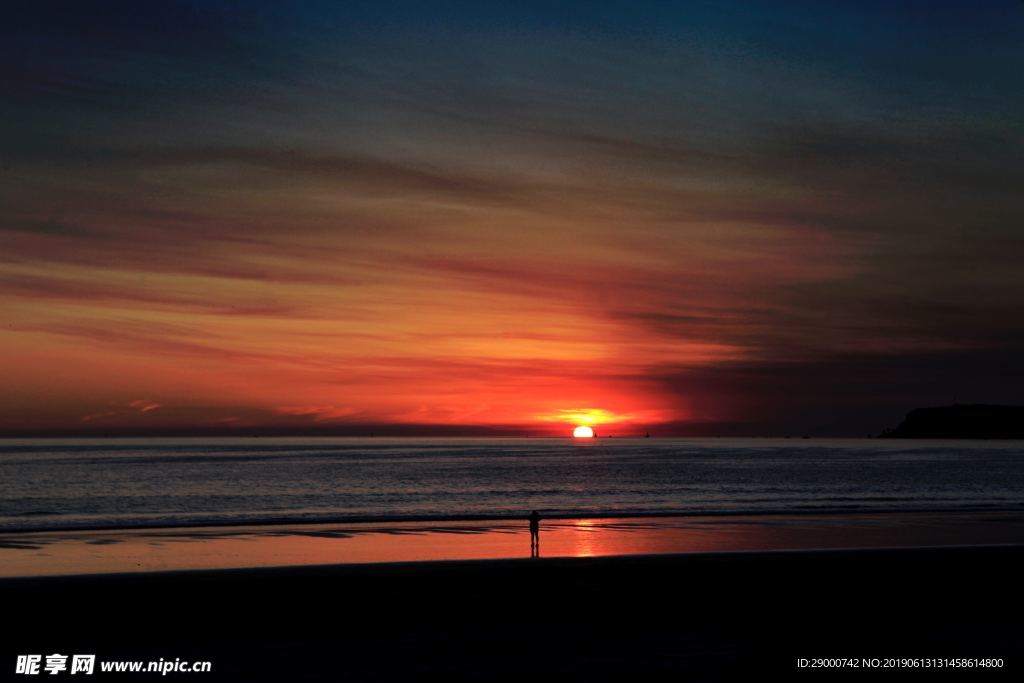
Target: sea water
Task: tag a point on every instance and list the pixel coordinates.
(101, 483)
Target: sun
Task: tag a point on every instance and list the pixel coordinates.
(583, 432)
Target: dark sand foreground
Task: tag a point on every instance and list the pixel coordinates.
(716, 616)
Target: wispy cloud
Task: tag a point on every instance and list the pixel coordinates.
(144, 406)
(326, 215)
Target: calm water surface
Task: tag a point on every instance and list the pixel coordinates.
(50, 484)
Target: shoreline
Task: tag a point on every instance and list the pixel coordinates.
(131, 551)
(401, 519)
(342, 569)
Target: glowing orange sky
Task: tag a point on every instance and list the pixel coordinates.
(434, 323)
(310, 218)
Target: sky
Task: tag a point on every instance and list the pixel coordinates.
(689, 218)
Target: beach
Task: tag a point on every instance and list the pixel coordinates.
(410, 559)
(708, 615)
(116, 551)
(715, 616)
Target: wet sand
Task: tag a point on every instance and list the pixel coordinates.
(712, 616)
(140, 550)
(593, 607)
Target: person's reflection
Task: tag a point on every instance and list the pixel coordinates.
(534, 534)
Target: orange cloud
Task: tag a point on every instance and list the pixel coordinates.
(144, 406)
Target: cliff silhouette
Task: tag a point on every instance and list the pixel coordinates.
(961, 421)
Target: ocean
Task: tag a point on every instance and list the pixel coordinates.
(132, 483)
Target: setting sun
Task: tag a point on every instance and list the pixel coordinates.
(583, 432)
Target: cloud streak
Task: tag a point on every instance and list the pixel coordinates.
(329, 218)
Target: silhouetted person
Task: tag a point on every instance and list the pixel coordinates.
(534, 534)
